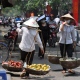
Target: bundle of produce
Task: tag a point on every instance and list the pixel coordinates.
(38, 69)
(12, 65)
(70, 63)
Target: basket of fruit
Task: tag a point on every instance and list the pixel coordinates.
(54, 59)
(38, 69)
(13, 65)
(70, 63)
(5, 65)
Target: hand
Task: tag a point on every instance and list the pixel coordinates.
(65, 23)
(74, 44)
(42, 50)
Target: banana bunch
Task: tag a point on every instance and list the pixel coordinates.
(39, 67)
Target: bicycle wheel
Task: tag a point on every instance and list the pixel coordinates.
(11, 45)
(3, 52)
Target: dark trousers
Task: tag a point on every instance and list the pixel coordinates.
(29, 58)
(44, 41)
(15, 41)
(66, 48)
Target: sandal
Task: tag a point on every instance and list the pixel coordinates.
(71, 71)
(63, 71)
(25, 77)
(22, 74)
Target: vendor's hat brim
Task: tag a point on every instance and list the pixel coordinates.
(31, 22)
(34, 17)
(66, 16)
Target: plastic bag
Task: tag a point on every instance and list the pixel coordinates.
(25, 65)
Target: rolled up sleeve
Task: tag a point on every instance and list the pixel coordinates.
(59, 28)
(73, 35)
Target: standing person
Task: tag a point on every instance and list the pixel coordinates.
(18, 18)
(27, 44)
(67, 38)
(44, 35)
(53, 31)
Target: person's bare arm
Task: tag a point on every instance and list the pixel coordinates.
(38, 40)
(62, 26)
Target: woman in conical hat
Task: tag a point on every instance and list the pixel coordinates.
(67, 38)
(31, 23)
(27, 44)
(68, 16)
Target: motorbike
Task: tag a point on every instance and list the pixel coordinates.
(53, 36)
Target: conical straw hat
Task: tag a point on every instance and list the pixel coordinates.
(67, 16)
(31, 22)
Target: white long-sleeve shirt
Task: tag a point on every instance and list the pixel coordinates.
(67, 36)
(29, 36)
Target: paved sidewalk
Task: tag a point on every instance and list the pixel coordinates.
(9, 77)
(55, 73)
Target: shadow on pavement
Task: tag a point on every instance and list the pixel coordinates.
(57, 70)
(42, 77)
(15, 75)
(73, 75)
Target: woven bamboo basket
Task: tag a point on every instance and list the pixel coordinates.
(11, 68)
(70, 63)
(54, 59)
(35, 72)
(5, 66)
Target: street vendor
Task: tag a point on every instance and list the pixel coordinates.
(27, 45)
(67, 38)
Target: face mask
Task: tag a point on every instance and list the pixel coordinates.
(68, 21)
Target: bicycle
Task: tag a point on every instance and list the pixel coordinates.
(10, 41)
(6, 48)
(4, 52)
(8, 45)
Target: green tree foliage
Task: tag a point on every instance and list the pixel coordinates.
(36, 6)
